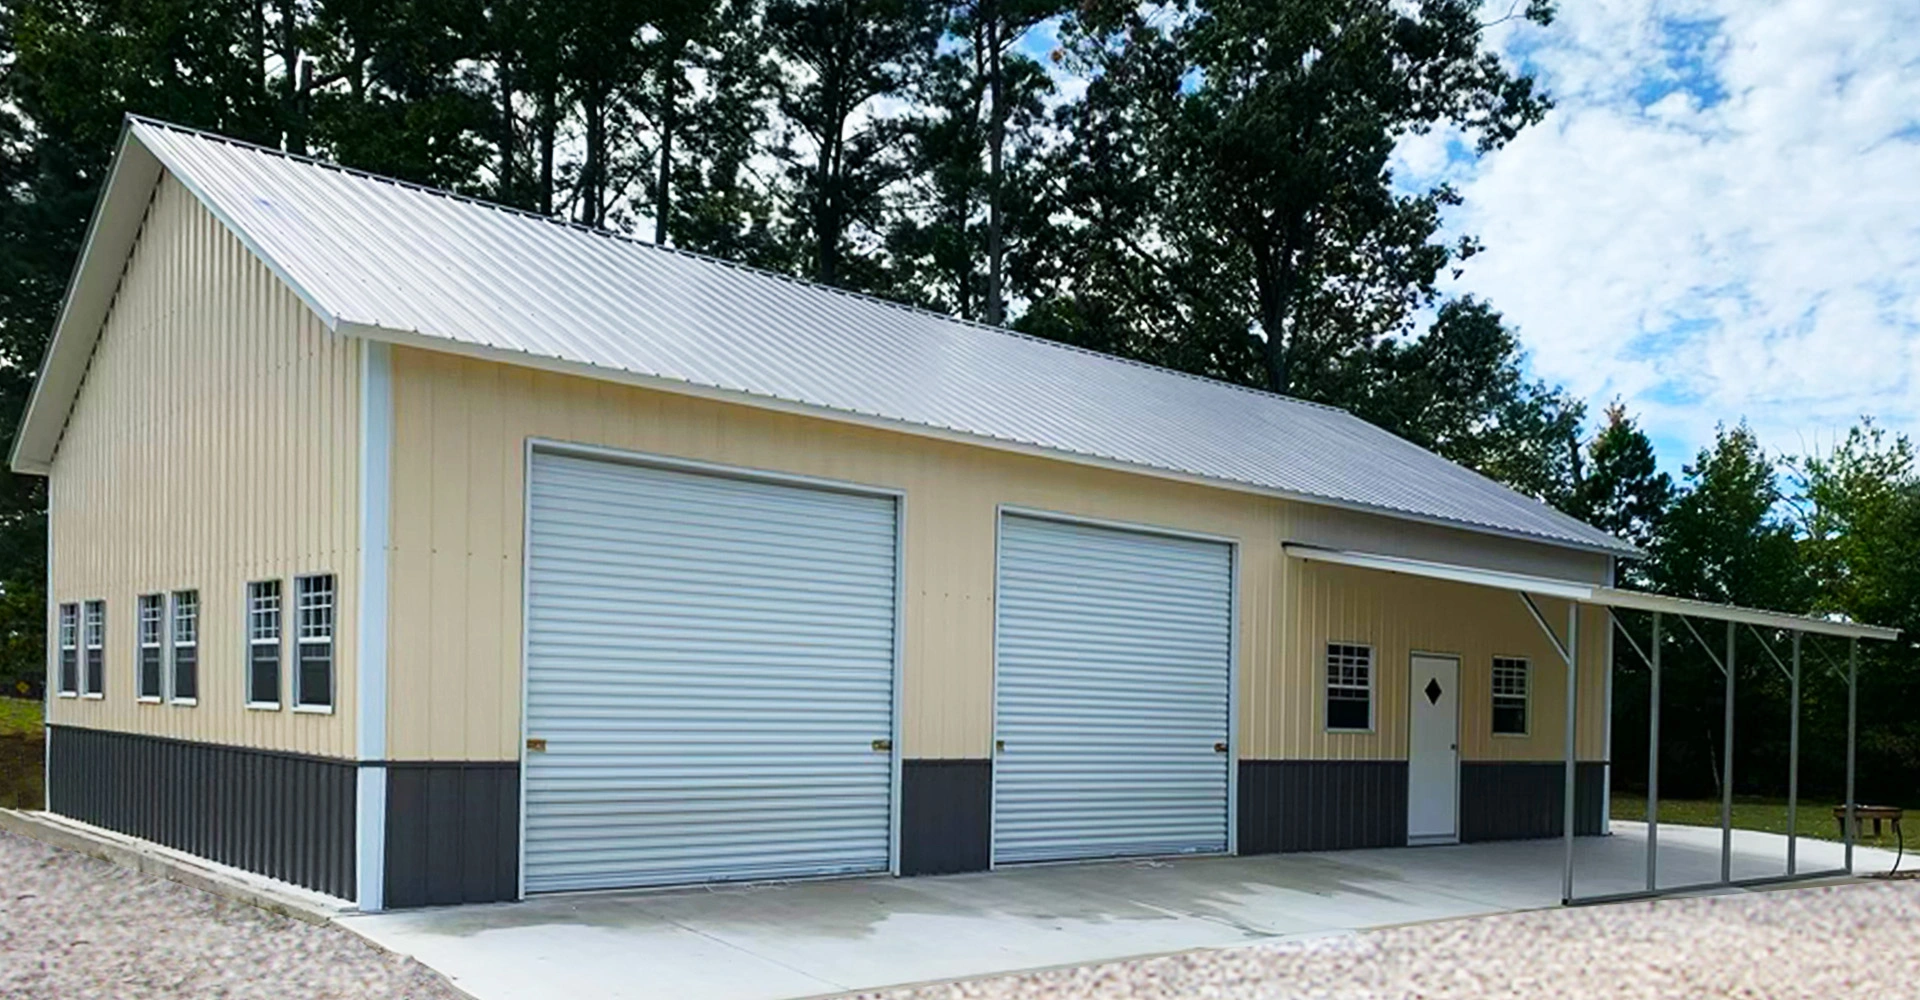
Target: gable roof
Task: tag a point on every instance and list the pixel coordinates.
(394, 262)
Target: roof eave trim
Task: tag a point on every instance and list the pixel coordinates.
(581, 369)
(112, 229)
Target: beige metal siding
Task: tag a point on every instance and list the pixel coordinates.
(461, 428)
(214, 441)
(1400, 615)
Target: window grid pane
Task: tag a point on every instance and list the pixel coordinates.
(186, 617)
(316, 608)
(1510, 696)
(1349, 686)
(150, 615)
(263, 611)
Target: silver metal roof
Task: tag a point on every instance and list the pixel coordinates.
(379, 258)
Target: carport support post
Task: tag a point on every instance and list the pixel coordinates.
(1793, 765)
(1853, 716)
(1573, 695)
(1726, 771)
(1653, 764)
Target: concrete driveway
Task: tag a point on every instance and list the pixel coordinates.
(804, 939)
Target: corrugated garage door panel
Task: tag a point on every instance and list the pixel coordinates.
(1111, 693)
(709, 660)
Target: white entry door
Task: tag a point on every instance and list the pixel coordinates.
(1433, 779)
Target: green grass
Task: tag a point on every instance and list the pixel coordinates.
(1766, 814)
(21, 717)
(22, 725)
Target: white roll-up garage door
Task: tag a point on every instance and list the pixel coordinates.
(1111, 693)
(709, 665)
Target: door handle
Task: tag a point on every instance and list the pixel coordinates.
(883, 744)
(1219, 748)
(999, 746)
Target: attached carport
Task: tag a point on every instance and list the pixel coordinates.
(1566, 642)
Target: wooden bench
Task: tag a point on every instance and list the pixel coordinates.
(1889, 814)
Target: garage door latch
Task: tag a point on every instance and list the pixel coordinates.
(883, 744)
(536, 744)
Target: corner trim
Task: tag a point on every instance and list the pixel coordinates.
(370, 655)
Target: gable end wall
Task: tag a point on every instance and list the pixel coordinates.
(214, 441)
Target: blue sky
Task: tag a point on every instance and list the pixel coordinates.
(1719, 221)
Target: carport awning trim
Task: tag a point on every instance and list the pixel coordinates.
(1587, 593)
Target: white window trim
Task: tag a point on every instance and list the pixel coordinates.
(87, 646)
(140, 648)
(1492, 699)
(174, 646)
(279, 640)
(61, 647)
(1373, 687)
(331, 641)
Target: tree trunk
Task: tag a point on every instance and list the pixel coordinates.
(669, 120)
(996, 142)
(593, 172)
(1273, 280)
(548, 127)
(292, 90)
(507, 190)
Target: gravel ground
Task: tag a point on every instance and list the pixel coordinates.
(73, 926)
(1838, 942)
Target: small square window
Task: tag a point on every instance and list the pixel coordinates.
(148, 674)
(93, 679)
(69, 670)
(186, 646)
(313, 682)
(263, 644)
(1349, 686)
(1510, 679)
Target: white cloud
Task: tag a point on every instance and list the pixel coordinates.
(1721, 219)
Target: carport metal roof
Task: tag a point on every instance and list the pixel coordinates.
(1578, 593)
(1588, 593)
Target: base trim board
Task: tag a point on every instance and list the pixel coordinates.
(1322, 805)
(452, 832)
(946, 816)
(1521, 800)
(285, 816)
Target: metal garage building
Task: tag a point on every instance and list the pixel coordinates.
(421, 551)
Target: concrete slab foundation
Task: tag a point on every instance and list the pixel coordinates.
(779, 941)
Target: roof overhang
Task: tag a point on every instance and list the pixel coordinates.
(111, 233)
(1589, 593)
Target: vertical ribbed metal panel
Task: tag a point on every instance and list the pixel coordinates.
(1111, 692)
(236, 413)
(710, 661)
